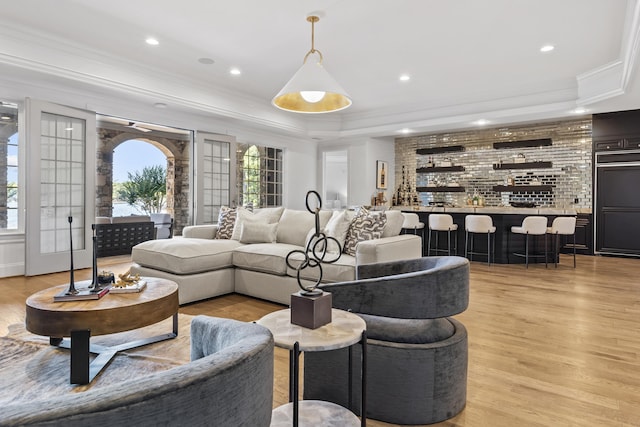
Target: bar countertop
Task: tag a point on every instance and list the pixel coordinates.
(504, 210)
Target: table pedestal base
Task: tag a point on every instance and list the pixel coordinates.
(83, 372)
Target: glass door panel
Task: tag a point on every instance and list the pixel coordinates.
(61, 187)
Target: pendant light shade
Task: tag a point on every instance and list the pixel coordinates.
(312, 89)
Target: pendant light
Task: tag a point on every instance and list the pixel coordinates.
(312, 89)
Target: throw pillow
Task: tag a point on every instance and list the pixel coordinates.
(337, 227)
(258, 232)
(226, 222)
(267, 215)
(365, 226)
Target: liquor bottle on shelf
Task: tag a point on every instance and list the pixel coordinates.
(382, 176)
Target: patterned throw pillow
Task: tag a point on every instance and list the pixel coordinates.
(226, 221)
(364, 226)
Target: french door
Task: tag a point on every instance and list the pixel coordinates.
(213, 169)
(61, 162)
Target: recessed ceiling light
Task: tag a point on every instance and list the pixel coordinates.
(5, 118)
(405, 77)
(481, 122)
(206, 61)
(68, 129)
(405, 131)
(235, 71)
(152, 41)
(547, 48)
(580, 110)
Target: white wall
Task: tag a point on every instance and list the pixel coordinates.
(362, 156)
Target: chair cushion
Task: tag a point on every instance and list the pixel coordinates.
(264, 257)
(185, 256)
(409, 331)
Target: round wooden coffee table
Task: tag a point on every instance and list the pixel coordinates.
(110, 314)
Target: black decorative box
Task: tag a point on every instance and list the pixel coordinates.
(311, 311)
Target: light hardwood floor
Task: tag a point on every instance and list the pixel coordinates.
(547, 347)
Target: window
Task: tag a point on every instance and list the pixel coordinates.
(259, 179)
(8, 166)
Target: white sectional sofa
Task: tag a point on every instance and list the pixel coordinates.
(205, 267)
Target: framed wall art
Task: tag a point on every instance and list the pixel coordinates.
(382, 175)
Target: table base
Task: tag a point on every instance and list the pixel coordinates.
(314, 413)
(83, 372)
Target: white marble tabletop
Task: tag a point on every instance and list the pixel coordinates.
(314, 413)
(344, 330)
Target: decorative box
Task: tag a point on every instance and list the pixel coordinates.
(310, 311)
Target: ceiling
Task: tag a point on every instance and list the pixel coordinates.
(467, 59)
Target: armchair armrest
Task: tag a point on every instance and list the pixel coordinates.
(430, 288)
(395, 248)
(208, 231)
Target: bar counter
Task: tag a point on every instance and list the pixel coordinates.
(503, 219)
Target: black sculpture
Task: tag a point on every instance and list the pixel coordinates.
(315, 254)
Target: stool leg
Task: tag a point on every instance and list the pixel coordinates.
(574, 250)
(545, 251)
(449, 242)
(556, 247)
(488, 248)
(437, 243)
(526, 250)
(466, 243)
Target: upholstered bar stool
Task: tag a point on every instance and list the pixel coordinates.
(534, 226)
(563, 226)
(412, 223)
(439, 223)
(479, 224)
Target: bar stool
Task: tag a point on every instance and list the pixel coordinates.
(438, 223)
(479, 224)
(412, 222)
(565, 226)
(536, 226)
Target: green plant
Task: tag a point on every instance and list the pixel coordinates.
(145, 190)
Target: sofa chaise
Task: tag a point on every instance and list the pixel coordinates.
(253, 260)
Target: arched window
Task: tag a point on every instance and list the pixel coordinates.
(251, 177)
(260, 176)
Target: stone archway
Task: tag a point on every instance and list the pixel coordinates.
(177, 153)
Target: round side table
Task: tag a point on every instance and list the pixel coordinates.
(345, 330)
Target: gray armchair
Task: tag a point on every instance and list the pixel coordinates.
(228, 383)
(417, 355)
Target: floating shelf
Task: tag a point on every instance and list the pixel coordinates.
(440, 189)
(441, 169)
(526, 165)
(521, 188)
(440, 150)
(544, 142)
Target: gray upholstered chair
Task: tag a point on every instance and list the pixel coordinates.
(228, 383)
(417, 355)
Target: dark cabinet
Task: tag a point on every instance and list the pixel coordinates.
(584, 236)
(615, 182)
(616, 131)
